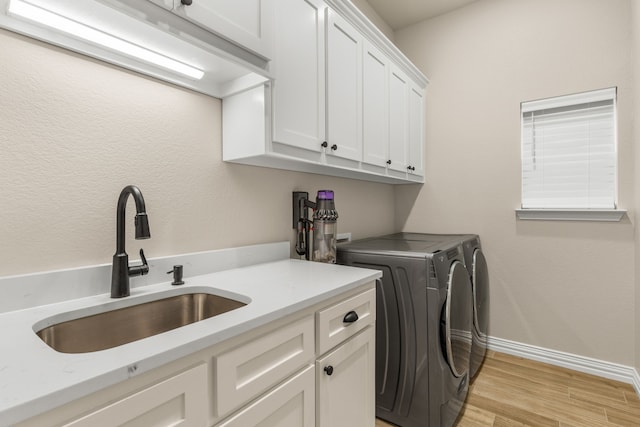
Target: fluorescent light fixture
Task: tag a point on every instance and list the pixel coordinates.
(54, 20)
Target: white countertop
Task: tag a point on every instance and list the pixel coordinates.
(35, 378)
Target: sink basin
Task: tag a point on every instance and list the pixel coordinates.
(113, 328)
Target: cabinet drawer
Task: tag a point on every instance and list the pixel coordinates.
(252, 368)
(178, 401)
(333, 322)
(291, 404)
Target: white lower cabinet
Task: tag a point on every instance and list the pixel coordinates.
(178, 401)
(340, 321)
(346, 383)
(250, 369)
(292, 404)
(273, 375)
(345, 370)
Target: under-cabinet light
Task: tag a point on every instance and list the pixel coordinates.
(54, 20)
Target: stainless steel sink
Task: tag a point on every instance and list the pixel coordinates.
(113, 328)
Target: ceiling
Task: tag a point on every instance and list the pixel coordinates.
(401, 13)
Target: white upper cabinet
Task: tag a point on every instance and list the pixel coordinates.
(340, 102)
(154, 38)
(299, 74)
(344, 88)
(307, 85)
(415, 159)
(167, 4)
(398, 119)
(375, 106)
(247, 22)
(406, 116)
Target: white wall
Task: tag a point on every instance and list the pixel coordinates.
(567, 286)
(635, 20)
(373, 16)
(74, 132)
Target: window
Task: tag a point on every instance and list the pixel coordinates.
(569, 156)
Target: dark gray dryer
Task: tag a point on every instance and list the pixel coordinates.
(423, 327)
(477, 266)
(478, 271)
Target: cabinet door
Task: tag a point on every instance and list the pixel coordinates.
(398, 119)
(251, 369)
(344, 88)
(375, 106)
(299, 85)
(178, 401)
(415, 158)
(345, 383)
(291, 404)
(247, 23)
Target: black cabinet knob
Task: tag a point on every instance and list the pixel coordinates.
(334, 147)
(350, 317)
(186, 2)
(388, 162)
(324, 144)
(329, 370)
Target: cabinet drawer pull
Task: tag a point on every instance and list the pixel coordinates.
(350, 317)
(388, 162)
(324, 144)
(186, 2)
(329, 370)
(334, 147)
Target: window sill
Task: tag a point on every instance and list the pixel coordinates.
(611, 215)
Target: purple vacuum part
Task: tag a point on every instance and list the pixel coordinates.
(325, 195)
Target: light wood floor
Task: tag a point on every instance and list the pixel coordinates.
(510, 391)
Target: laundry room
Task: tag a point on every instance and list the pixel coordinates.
(80, 124)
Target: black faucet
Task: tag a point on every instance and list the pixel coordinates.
(121, 270)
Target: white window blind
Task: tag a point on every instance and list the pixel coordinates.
(569, 152)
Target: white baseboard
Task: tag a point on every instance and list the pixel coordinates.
(613, 371)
